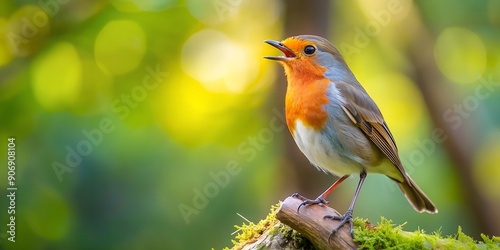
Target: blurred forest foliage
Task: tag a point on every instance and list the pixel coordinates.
(150, 124)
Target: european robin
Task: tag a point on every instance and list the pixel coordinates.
(336, 124)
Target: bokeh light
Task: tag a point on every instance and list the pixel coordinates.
(59, 66)
(120, 47)
(219, 64)
(460, 55)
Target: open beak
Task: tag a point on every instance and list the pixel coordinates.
(288, 53)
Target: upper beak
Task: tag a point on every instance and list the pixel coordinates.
(279, 45)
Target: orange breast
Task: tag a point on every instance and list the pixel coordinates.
(306, 97)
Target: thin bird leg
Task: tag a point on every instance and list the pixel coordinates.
(322, 198)
(347, 217)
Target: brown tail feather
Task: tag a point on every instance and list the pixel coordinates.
(416, 197)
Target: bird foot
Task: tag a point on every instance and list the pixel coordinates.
(306, 201)
(344, 219)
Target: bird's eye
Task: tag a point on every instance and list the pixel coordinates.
(309, 50)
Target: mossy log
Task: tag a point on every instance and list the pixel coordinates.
(284, 228)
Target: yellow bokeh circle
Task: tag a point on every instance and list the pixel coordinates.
(120, 47)
(218, 63)
(460, 55)
(57, 76)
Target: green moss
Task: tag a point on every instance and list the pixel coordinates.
(386, 235)
(248, 233)
(492, 243)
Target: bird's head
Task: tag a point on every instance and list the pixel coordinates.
(310, 55)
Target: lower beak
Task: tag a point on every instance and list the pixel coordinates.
(288, 53)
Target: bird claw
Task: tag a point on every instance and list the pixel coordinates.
(306, 201)
(346, 218)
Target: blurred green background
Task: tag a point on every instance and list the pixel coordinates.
(150, 124)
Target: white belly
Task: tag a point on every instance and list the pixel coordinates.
(322, 153)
